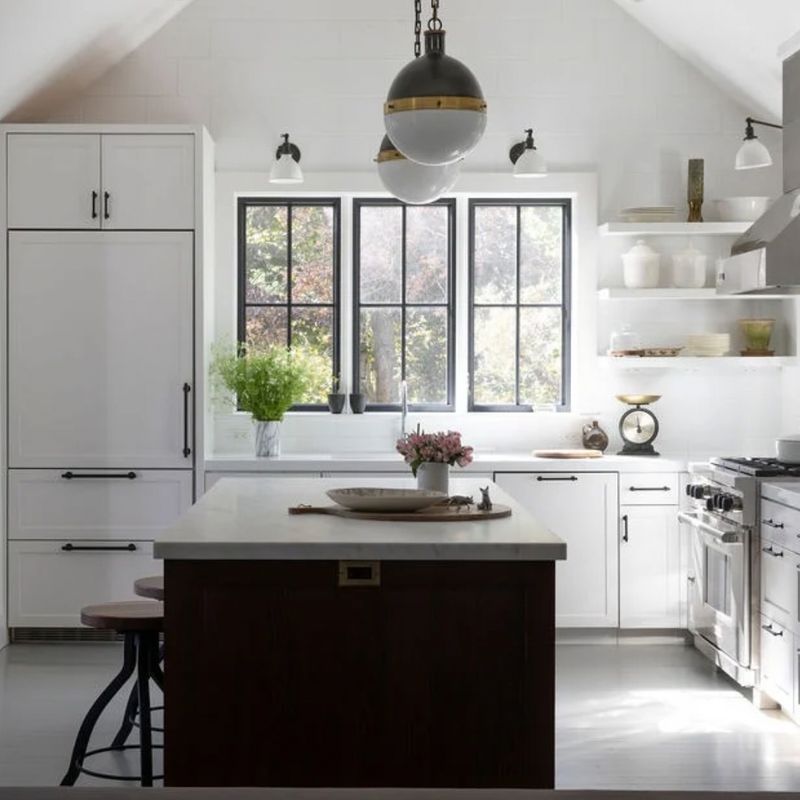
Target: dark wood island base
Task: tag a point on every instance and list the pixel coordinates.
(438, 674)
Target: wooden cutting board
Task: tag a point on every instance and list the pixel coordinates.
(433, 514)
(568, 453)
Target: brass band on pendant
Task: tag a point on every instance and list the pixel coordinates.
(389, 155)
(435, 103)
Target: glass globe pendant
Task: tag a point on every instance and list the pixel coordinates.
(410, 182)
(435, 112)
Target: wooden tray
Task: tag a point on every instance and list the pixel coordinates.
(568, 453)
(433, 514)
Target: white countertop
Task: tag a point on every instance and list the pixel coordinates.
(782, 490)
(247, 518)
(484, 462)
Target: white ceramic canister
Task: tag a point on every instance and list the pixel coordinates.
(624, 340)
(640, 266)
(689, 269)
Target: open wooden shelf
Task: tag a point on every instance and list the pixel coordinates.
(674, 228)
(699, 362)
(707, 293)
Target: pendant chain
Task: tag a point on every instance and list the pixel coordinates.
(434, 23)
(417, 27)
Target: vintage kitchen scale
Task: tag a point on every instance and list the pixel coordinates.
(638, 426)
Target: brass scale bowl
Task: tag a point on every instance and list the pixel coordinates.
(638, 399)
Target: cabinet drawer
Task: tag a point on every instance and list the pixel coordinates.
(780, 584)
(780, 524)
(777, 663)
(48, 584)
(648, 489)
(96, 504)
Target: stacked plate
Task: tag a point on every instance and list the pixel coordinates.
(647, 214)
(707, 344)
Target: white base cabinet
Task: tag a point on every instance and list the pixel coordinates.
(49, 582)
(580, 508)
(777, 668)
(651, 582)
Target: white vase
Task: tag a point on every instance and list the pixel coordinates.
(434, 476)
(268, 439)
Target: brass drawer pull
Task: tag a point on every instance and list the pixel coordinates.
(359, 573)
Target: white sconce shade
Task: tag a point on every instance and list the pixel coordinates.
(752, 155)
(286, 167)
(527, 160)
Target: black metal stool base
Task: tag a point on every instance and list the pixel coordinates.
(109, 776)
(141, 653)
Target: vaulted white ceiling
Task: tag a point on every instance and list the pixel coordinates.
(52, 48)
(735, 43)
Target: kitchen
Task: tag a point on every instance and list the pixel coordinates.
(516, 306)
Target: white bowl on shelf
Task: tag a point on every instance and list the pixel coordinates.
(742, 209)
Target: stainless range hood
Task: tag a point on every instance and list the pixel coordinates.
(766, 259)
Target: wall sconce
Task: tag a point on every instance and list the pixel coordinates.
(752, 154)
(286, 167)
(527, 161)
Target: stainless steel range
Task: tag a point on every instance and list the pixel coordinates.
(722, 520)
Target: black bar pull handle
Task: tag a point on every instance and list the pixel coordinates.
(624, 527)
(187, 451)
(106, 205)
(648, 488)
(556, 478)
(69, 475)
(94, 204)
(72, 548)
(768, 629)
(771, 523)
(772, 551)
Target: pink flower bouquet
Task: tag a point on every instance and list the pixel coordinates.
(437, 448)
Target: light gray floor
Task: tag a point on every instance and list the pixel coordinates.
(628, 716)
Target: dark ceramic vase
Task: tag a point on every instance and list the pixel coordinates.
(594, 437)
(358, 402)
(336, 403)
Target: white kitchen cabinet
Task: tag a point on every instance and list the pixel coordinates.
(780, 584)
(95, 505)
(651, 583)
(580, 508)
(648, 488)
(148, 181)
(53, 180)
(49, 582)
(92, 181)
(100, 349)
(777, 667)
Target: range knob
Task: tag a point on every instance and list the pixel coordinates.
(710, 504)
(726, 503)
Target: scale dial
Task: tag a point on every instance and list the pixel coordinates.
(638, 426)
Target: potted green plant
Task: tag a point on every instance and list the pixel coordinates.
(267, 382)
(336, 399)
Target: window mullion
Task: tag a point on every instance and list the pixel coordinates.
(289, 214)
(517, 303)
(403, 296)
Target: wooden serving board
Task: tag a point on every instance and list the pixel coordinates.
(432, 514)
(568, 453)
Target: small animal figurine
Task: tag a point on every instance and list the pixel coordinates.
(486, 501)
(459, 501)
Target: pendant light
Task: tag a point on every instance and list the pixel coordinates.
(435, 112)
(527, 161)
(752, 154)
(286, 167)
(410, 182)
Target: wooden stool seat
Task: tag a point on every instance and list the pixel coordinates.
(150, 587)
(131, 615)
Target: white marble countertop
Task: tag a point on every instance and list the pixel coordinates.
(484, 463)
(247, 518)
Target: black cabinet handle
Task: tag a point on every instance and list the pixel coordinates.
(556, 478)
(771, 551)
(94, 205)
(72, 548)
(106, 206)
(187, 451)
(768, 629)
(648, 488)
(624, 527)
(69, 475)
(770, 523)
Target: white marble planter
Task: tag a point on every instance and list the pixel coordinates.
(268, 439)
(435, 477)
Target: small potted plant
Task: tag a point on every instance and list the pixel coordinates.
(267, 382)
(358, 402)
(336, 399)
(431, 455)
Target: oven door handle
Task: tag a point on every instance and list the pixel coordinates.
(723, 538)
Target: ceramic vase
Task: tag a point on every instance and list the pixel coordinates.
(268, 439)
(434, 476)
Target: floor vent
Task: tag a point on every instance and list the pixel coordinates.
(62, 635)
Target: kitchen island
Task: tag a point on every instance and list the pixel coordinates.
(320, 651)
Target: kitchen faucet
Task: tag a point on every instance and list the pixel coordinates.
(403, 407)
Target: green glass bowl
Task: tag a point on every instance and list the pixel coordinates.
(757, 332)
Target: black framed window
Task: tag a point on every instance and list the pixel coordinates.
(519, 290)
(404, 300)
(289, 276)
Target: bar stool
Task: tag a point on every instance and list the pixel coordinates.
(140, 622)
(152, 587)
